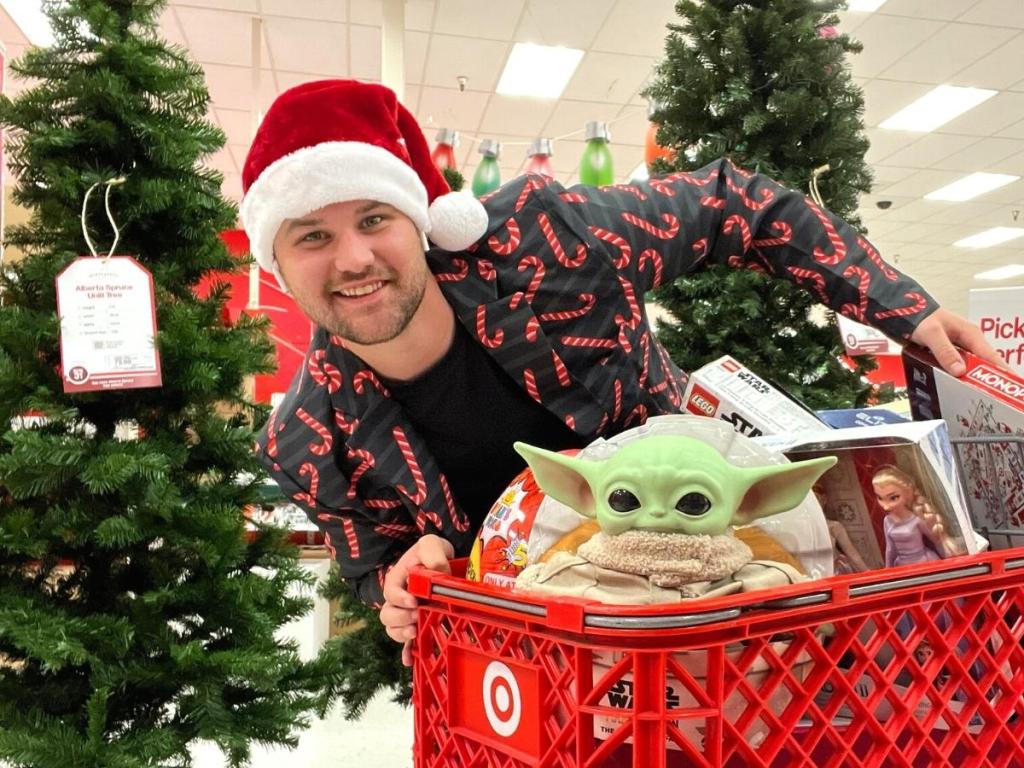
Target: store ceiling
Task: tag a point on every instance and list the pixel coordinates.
(909, 46)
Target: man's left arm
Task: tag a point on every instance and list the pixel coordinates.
(723, 215)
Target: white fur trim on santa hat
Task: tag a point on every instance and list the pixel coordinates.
(331, 172)
(457, 220)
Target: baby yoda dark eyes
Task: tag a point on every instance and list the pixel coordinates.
(622, 500)
(693, 504)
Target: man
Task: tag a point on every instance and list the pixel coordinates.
(526, 323)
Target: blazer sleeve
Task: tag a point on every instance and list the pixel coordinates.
(720, 214)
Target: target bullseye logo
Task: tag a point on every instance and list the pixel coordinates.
(503, 703)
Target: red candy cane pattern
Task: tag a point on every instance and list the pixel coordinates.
(304, 497)
(323, 373)
(838, 246)
(613, 239)
(583, 341)
(326, 439)
(556, 245)
(366, 463)
(486, 269)
(414, 468)
(560, 370)
(636, 192)
(735, 222)
(514, 238)
(396, 530)
(708, 201)
(587, 300)
(350, 537)
(785, 235)
(366, 375)
(859, 311)
(817, 281)
(919, 305)
(573, 197)
(652, 256)
(531, 385)
(458, 518)
(887, 272)
(344, 423)
(532, 183)
(491, 342)
(671, 225)
(538, 277)
(767, 196)
(462, 267)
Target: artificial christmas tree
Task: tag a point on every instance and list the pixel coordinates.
(135, 614)
(765, 83)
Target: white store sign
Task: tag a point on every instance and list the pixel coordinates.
(999, 312)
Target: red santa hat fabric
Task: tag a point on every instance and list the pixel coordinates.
(332, 141)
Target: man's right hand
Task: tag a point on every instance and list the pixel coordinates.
(399, 612)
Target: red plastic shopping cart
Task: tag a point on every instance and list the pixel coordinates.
(921, 666)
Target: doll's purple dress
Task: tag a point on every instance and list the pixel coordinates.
(908, 542)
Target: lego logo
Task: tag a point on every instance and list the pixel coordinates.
(503, 704)
(702, 404)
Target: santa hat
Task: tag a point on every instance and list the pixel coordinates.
(332, 141)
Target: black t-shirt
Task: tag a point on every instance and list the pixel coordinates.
(469, 412)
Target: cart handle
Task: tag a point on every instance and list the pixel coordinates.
(677, 620)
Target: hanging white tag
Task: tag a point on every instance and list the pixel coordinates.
(107, 325)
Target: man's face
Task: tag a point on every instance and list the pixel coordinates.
(355, 268)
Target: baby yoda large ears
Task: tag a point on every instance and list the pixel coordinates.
(562, 477)
(779, 487)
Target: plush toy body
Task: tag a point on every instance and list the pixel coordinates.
(666, 505)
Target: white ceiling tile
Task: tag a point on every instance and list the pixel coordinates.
(287, 80)
(1015, 131)
(237, 124)
(516, 114)
(217, 37)
(889, 174)
(570, 23)
(999, 13)
(638, 28)
(481, 61)
(472, 18)
(230, 87)
(608, 77)
(985, 155)
(1015, 163)
(886, 39)
(625, 157)
(419, 15)
(884, 143)
(998, 70)
(630, 126)
(909, 210)
(304, 45)
(968, 212)
(1011, 193)
(571, 117)
(943, 10)
(929, 149)
(239, 153)
(411, 97)
(567, 154)
(366, 12)
(321, 10)
(237, 6)
(850, 21)
(884, 98)
(170, 29)
(920, 183)
(950, 50)
(990, 117)
(231, 188)
(450, 108)
(364, 52)
(415, 55)
(222, 161)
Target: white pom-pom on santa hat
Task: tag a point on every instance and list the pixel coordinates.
(457, 220)
(333, 141)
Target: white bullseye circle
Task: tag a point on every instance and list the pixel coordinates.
(503, 704)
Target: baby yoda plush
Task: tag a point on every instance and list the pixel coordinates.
(666, 505)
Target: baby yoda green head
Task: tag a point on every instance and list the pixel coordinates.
(671, 483)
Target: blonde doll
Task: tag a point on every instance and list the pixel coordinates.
(914, 531)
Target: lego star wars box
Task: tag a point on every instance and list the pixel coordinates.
(984, 409)
(894, 497)
(728, 390)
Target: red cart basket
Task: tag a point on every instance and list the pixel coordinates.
(917, 666)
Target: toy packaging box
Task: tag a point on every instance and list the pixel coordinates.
(726, 389)
(850, 498)
(985, 401)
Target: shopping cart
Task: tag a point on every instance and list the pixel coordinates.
(923, 666)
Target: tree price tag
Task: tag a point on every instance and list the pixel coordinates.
(107, 316)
